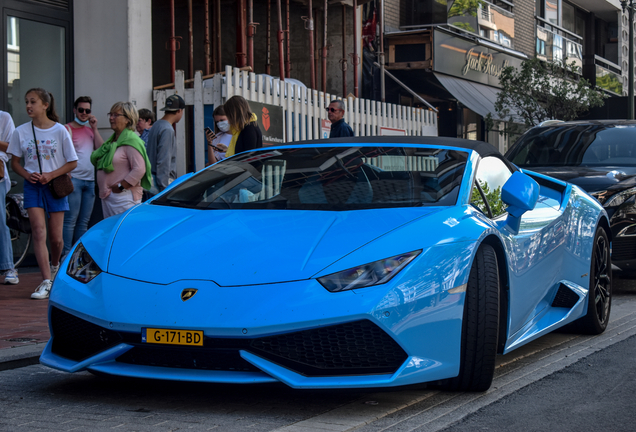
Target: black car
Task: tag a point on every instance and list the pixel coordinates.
(600, 157)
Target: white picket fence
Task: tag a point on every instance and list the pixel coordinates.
(304, 109)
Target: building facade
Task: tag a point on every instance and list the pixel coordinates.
(452, 52)
(449, 52)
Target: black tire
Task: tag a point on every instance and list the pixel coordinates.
(480, 325)
(599, 302)
(20, 242)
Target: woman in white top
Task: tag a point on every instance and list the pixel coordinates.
(56, 157)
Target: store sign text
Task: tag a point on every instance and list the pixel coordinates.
(480, 62)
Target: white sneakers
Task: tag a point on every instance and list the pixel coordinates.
(54, 270)
(11, 277)
(43, 290)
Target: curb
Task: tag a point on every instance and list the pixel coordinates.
(13, 358)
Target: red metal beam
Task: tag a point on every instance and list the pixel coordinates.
(324, 50)
(343, 62)
(279, 38)
(241, 43)
(268, 30)
(356, 58)
(190, 42)
(288, 58)
(251, 29)
(312, 64)
(206, 42)
(172, 43)
(218, 39)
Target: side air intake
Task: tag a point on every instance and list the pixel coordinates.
(565, 298)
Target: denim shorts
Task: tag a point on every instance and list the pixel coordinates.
(39, 195)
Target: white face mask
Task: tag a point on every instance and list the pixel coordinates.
(224, 126)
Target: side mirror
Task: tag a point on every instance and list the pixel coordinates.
(520, 194)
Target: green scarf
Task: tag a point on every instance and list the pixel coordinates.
(102, 158)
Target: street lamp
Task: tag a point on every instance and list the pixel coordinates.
(629, 5)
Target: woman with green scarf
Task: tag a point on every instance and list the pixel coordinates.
(123, 169)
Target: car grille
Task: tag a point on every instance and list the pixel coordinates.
(77, 339)
(624, 249)
(355, 348)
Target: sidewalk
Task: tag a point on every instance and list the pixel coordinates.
(24, 327)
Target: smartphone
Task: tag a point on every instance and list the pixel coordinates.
(207, 129)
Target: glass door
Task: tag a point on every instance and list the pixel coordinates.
(36, 57)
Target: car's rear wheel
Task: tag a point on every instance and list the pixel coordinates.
(480, 325)
(599, 301)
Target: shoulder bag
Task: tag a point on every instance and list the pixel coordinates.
(60, 186)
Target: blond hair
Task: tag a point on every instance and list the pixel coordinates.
(238, 112)
(129, 111)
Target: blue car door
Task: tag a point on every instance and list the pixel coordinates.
(534, 254)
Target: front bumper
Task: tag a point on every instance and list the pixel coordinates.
(296, 333)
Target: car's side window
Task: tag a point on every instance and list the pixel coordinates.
(492, 174)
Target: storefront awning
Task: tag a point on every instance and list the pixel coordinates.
(476, 97)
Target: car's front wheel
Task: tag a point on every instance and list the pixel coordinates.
(480, 325)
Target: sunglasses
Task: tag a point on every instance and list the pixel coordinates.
(84, 110)
(333, 110)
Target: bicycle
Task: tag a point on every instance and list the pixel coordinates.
(19, 226)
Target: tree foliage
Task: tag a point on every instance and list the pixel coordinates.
(541, 91)
(464, 8)
(497, 206)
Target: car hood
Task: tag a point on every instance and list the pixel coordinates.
(593, 179)
(165, 244)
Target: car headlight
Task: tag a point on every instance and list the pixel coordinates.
(367, 275)
(82, 267)
(617, 199)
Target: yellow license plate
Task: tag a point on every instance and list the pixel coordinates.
(172, 337)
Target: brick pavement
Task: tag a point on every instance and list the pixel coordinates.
(23, 321)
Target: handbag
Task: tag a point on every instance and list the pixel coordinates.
(60, 186)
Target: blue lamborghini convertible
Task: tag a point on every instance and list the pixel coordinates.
(364, 262)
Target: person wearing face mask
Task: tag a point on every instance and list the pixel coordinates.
(218, 141)
(86, 138)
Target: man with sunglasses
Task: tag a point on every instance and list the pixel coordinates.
(335, 113)
(86, 138)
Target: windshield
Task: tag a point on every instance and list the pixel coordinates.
(325, 178)
(576, 145)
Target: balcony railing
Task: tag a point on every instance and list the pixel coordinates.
(556, 44)
(486, 15)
